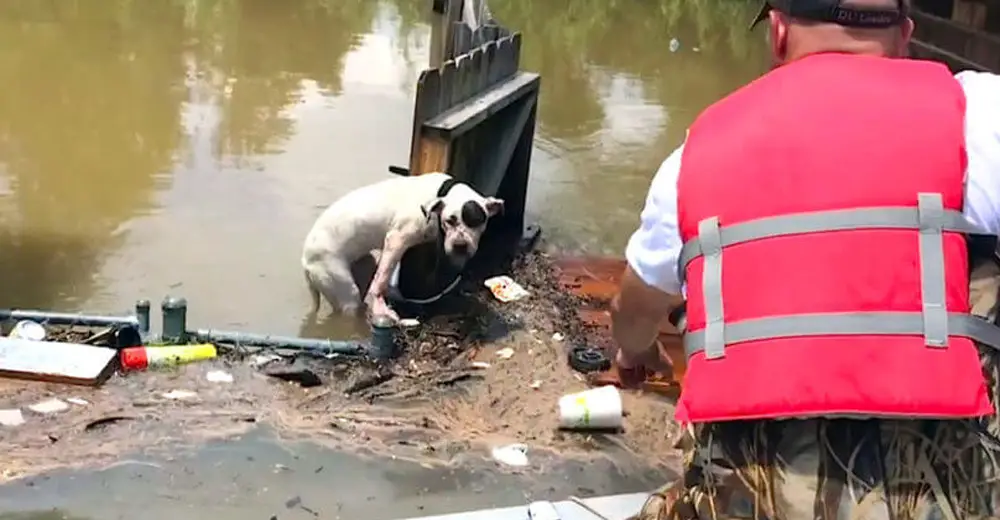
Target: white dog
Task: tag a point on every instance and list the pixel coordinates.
(384, 220)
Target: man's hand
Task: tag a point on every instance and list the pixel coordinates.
(636, 313)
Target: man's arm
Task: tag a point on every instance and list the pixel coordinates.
(982, 138)
(650, 289)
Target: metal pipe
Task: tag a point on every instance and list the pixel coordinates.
(383, 344)
(327, 346)
(174, 314)
(142, 314)
(68, 318)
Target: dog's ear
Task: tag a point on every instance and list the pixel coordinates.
(434, 206)
(494, 206)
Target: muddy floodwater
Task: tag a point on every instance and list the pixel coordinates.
(185, 147)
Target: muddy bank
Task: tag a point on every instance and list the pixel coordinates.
(443, 403)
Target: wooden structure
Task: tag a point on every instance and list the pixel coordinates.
(474, 118)
(596, 280)
(965, 34)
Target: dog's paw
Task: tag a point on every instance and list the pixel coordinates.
(380, 308)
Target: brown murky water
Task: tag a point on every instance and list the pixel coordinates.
(186, 146)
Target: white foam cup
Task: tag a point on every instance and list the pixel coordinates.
(595, 409)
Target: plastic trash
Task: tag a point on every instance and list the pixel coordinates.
(675, 44)
(505, 289)
(141, 358)
(218, 376)
(594, 409)
(49, 406)
(27, 329)
(511, 455)
(11, 417)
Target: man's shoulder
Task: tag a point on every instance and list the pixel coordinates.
(981, 89)
(976, 79)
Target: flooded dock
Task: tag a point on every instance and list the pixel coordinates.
(186, 147)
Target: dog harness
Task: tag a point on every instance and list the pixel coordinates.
(825, 248)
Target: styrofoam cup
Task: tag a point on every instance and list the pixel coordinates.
(595, 409)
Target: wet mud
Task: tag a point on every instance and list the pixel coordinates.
(456, 391)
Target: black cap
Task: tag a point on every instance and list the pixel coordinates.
(832, 11)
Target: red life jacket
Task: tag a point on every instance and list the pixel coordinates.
(824, 255)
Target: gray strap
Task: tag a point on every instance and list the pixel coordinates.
(931, 215)
(846, 324)
(711, 279)
(822, 221)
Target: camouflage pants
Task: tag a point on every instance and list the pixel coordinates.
(843, 468)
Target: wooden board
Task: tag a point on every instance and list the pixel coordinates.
(596, 279)
(67, 363)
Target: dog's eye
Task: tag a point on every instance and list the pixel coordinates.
(452, 220)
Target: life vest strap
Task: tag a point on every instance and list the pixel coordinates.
(928, 218)
(845, 324)
(822, 222)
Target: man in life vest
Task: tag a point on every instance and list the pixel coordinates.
(820, 219)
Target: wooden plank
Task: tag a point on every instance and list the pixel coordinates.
(442, 46)
(426, 106)
(513, 188)
(460, 119)
(67, 363)
(434, 156)
(944, 39)
(970, 13)
(925, 51)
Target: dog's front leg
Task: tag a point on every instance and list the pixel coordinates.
(396, 243)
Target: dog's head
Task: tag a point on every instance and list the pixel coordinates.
(463, 215)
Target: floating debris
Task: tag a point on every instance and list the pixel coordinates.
(11, 417)
(409, 323)
(263, 359)
(179, 394)
(506, 289)
(49, 406)
(505, 353)
(219, 376)
(29, 330)
(511, 455)
(77, 401)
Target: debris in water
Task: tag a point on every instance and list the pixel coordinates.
(105, 421)
(77, 401)
(263, 359)
(675, 44)
(49, 361)
(409, 322)
(11, 417)
(480, 365)
(219, 376)
(29, 330)
(296, 372)
(179, 394)
(558, 336)
(536, 384)
(696, 49)
(505, 289)
(141, 358)
(49, 406)
(511, 455)
(505, 353)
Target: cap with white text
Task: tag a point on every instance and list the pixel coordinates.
(834, 11)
